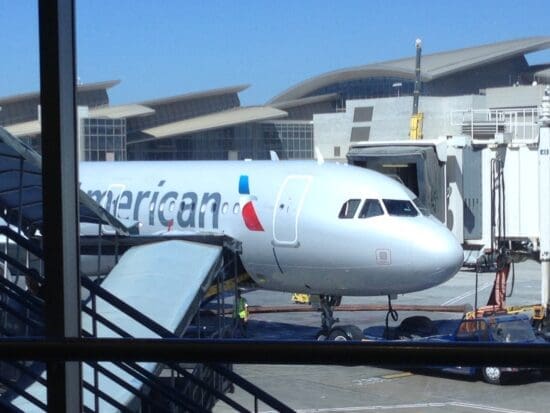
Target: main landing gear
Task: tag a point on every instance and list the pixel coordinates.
(328, 330)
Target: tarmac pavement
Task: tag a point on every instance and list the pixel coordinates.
(315, 388)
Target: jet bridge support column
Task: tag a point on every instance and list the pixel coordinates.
(544, 197)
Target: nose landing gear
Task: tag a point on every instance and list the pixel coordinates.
(328, 330)
(327, 304)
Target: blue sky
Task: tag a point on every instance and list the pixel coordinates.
(181, 46)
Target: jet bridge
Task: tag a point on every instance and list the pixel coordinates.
(489, 185)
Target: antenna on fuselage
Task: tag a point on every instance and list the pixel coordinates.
(273, 155)
(319, 156)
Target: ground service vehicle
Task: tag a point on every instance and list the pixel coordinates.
(515, 328)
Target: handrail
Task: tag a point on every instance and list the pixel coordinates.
(135, 391)
(16, 292)
(520, 122)
(118, 330)
(27, 321)
(251, 388)
(26, 271)
(17, 389)
(28, 244)
(141, 374)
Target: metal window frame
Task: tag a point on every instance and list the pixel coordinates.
(58, 114)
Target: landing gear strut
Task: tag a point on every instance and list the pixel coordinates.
(328, 331)
(327, 303)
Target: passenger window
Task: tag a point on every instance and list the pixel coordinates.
(371, 208)
(225, 207)
(349, 208)
(400, 208)
(236, 208)
(184, 205)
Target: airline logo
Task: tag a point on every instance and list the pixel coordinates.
(249, 213)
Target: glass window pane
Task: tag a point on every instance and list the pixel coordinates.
(400, 208)
(349, 208)
(371, 208)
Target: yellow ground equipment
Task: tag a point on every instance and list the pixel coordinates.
(415, 132)
(535, 311)
(300, 298)
(228, 285)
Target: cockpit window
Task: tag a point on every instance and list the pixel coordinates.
(371, 208)
(349, 208)
(400, 208)
(421, 207)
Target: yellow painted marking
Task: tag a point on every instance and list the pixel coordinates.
(397, 375)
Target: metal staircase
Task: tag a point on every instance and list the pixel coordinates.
(22, 309)
(196, 390)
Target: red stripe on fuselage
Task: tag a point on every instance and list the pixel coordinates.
(250, 218)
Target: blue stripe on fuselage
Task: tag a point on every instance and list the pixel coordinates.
(244, 188)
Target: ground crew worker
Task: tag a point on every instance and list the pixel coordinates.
(241, 314)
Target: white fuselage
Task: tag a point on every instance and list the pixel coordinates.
(298, 231)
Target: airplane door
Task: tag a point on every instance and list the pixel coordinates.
(287, 210)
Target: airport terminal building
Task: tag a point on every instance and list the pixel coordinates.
(330, 111)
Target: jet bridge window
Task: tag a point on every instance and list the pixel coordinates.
(349, 208)
(400, 208)
(421, 207)
(371, 208)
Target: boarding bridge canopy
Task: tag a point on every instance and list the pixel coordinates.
(21, 190)
(417, 167)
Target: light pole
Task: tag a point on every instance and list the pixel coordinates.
(397, 85)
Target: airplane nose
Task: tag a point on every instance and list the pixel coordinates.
(443, 253)
(432, 253)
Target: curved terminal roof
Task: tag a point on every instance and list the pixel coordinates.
(306, 101)
(120, 111)
(30, 128)
(80, 88)
(215, 120)
(433, 66)
(195, 95)
(33, 127)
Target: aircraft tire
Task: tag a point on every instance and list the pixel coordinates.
(420, 326)
(321, 335)
(345, 333)
(492, 375)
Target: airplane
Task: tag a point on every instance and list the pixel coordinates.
(310, 227)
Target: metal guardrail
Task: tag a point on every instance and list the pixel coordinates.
(521, 123)
(209, 391)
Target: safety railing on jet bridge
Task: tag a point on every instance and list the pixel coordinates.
(198, 395)
(521, 123)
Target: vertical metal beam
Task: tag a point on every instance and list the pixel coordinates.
(544, 197)
(416, 93)
(60, 177)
